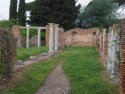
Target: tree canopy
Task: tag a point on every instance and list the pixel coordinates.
(21, 12)
(120, 2)
(63, 12)
(29, 6)
(13, 10)
(98, 13)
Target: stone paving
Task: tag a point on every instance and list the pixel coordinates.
(56, 83)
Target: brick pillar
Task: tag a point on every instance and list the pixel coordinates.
(61, 39)
(122, 66)
(17, 35)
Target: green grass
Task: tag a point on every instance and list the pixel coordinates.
(34, 77)
(85, 72)
(24, 53)
(82, 67)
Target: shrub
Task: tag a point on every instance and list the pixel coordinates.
(7, 24)
(32, 33)
(7, 54)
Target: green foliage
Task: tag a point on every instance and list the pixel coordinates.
(23, 53)
(63, 12)
(7, 54)
(99, 13)
(13, 10)
(21, 12)
(85, 72)
(120, 2)
(7, 24)
(29, 6)
(33, 32)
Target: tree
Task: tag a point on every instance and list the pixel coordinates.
(29, 6)
(13, 10)
(120, 2)
(21, 12)
(98, 13)
(63, 12)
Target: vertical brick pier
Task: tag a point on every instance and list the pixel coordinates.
(122, 66)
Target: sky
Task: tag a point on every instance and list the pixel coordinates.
(4, 7)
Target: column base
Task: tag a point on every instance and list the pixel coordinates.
(50, 51)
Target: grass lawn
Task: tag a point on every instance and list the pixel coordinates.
(85, 72)
(34, 76)
(24, 53)
(82, 67)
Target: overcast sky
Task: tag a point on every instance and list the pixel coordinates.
(4, 7)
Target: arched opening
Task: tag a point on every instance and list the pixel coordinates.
(74, 36)
(94, 33)
(94, 38)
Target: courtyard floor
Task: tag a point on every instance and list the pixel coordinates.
(77, 70)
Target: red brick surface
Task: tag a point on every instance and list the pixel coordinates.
(122, 66)
(82, 37)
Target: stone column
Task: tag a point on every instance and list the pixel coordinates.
(109, 52)
(51, 25)
(112, 53)
(39, 33)
(100, 36)
(103, 47)
(56, 36)
(27, 37)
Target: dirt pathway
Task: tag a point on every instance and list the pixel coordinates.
(56, 83)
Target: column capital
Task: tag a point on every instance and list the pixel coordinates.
(38, 28)
(104, 30)
(51, 24)
(56, 25)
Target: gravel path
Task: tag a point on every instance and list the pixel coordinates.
(56, 83)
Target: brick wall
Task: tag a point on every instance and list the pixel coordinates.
(122, 66)
(80, 37)
(17, 35)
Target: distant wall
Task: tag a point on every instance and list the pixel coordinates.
(81, 37)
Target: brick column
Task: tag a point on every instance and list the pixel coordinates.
(122, 66)
(17, 35)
